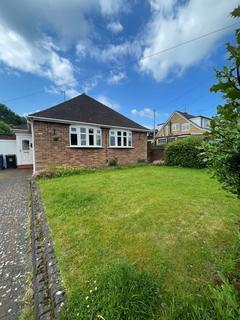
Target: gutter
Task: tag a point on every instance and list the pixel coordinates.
(33, 146)
(83, 123)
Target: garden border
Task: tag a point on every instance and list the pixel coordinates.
(48, 291)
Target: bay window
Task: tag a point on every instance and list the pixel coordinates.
(82, 136)
(120, 138)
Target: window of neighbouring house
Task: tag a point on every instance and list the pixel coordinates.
(175, 127)
(82, 136)
(185, 127)
(205, 123)
(120, 138)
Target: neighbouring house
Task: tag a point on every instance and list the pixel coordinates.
(84, 132)
(180, 125)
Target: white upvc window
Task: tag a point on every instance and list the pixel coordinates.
(120, 138)
(185, 127)
(175, 127)
(83, 136)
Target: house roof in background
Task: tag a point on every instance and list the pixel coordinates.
(86, 110)
(23, 126)
(189, 116)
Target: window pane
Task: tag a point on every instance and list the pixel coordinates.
(112, 141)
(98, 140)
(25, 145)
(91, 139)
(112, 133)
(119, 141)
(83, 130)
(125, 141)
(74, 139)
(124, 133)
(119, 133)
(83, 139)
(129, 139)
(74, 129)
(90, 131)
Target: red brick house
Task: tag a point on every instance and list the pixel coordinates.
(84, 132)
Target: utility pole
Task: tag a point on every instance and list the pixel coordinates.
(154, 124)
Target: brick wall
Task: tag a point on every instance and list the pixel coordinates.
(52, 148)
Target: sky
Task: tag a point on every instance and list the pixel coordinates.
(135, 56)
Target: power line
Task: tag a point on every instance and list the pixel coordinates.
(136, 60)
(163, 51)
(24, 96)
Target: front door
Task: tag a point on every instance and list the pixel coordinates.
(25, 149)
(26, 153)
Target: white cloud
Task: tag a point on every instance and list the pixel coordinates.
(115, 27)
(144, 113)
(25, 46)
(112, 7)
(173, 23)
(116, 77)
(36, 58)
(116, 53)
(108, 102)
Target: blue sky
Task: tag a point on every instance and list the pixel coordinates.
(47, 47)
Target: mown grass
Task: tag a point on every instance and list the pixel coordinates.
(175, 225)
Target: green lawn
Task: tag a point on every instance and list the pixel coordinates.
(177, 225)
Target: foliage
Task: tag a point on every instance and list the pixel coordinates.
(113, 162)
(223, 149)
(10, 117)
(174, 223)
(62, 171)
(4, 128)
(121, 291)
(186, 152)
(66, 170)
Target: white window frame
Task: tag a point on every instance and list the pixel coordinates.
(184, 125)
(124, 134)
(79, 130)
(175, 125)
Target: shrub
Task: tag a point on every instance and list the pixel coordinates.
(62, 171)
(113, 162)
(186, 152)
(119, 292)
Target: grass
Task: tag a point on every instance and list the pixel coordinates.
(175, 225)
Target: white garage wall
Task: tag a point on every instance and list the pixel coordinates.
(7, 147)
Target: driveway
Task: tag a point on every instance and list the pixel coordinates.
(15, 257)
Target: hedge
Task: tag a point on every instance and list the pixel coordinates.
(186, 152)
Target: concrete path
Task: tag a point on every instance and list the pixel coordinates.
(15, 257)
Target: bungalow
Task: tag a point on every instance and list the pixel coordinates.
(80, 132)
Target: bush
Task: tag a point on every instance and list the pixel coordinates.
(62, 171)
(186, 152)
(113, 162)
(119, 292)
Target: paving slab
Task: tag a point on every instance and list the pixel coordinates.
(15, 256)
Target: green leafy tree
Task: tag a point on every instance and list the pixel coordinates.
(223, 148)
(10, 117)
(4, 128)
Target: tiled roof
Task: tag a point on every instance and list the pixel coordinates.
(87, 110)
